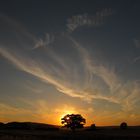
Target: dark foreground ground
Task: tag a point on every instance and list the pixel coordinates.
(102, 133)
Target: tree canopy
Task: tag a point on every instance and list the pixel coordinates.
(73, 121)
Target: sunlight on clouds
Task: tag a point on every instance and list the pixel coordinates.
(108, 75)
(33, 69)
(46, 114)
(50, 73)
(72, 72)
(10, 113)
(132, 99)
(41, 112)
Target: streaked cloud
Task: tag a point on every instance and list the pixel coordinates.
(10, 113)
(107, 74)
(33, 67)
(137, 59)
(73, 72)
(49, 73)
(16, 27)
(77, 21)
(48, 40)
(132, 99)
(137, 43)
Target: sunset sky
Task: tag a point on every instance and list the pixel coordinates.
(70, 56)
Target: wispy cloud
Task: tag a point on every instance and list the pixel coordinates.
(119, 92)
(33, 68)
(77, 21)
(137, 43)
(133, 98)
(11, 113)
(108, 75)
(42, 43)
(30, 66)
(137, 59)
(53, 74)
(16, 27)
(74, 74)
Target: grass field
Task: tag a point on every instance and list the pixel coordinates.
(101, 133)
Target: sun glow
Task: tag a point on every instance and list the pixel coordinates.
(64, 111)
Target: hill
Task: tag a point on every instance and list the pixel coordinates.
(40, 131)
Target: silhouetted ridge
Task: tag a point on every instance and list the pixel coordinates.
(29, 126)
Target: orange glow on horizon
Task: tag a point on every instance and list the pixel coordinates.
(44, 115)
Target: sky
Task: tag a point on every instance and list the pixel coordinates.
(76, 56)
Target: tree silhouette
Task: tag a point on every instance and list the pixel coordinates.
(93, 127)
(123, 125)
(73, 121)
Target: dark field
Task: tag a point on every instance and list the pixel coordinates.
(101, 133)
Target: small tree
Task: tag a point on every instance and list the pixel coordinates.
(73, 121)
(123, 125)
(93, 127)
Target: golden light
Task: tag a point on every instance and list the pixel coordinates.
(64, 111)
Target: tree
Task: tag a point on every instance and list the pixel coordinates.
(73, 121)
(123, 125)
(93, 127)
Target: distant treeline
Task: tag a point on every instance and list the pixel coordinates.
(28, 126)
